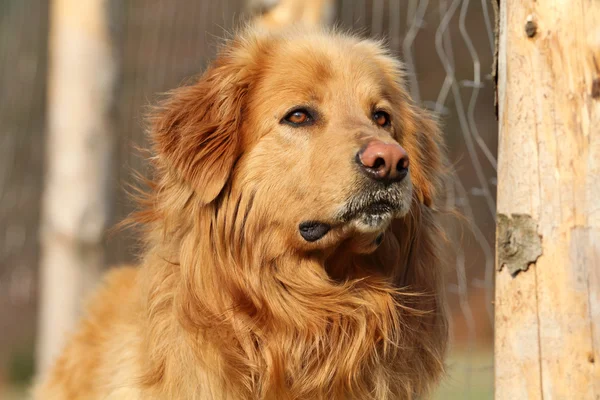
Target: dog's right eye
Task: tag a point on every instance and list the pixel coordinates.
(298, 117)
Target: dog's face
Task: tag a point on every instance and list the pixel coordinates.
(319, 128)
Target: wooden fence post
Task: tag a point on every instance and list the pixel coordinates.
(79, 165)
(547, 343)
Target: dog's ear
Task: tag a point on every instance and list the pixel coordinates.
(196, 130)
(424, 145)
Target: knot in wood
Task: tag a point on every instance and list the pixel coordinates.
(596, 89)
(518, 243)
(530, 27)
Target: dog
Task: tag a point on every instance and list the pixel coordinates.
(291, 249)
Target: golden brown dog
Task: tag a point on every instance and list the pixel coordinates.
(291, 250)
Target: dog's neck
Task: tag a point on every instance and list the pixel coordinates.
(276, 324)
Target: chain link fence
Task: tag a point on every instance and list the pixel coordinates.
(447, 47)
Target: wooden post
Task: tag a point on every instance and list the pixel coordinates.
(547, 343)
(278, 13)
(77, 197)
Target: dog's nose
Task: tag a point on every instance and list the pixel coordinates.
(387, 162)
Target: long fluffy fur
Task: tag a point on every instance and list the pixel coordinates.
(223, 308)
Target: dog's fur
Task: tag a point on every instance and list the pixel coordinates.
(230, 302)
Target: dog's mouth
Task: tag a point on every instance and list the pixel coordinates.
(369, 211)
(373, 214)
(376, 208)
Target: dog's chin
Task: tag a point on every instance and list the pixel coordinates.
(372, 212)
(363, 218)
(370, 222)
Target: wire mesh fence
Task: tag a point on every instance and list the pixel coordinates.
(447, 47)
(23, 43)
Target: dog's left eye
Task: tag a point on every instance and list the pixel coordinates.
(381, 118)
(298, 117)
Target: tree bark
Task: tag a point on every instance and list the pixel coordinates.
(548, 252)
(79, 165)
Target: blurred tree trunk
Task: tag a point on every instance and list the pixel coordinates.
(547, 338)
(79, 165)
(276, 13)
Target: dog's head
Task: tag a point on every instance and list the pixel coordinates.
(313, 130)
